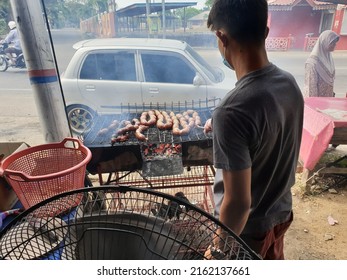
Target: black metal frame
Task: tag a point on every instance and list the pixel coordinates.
(104, 222)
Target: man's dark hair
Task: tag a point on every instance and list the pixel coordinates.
(244, 20)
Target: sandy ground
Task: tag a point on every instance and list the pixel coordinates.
(319, 229)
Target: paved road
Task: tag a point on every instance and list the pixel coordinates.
(293, 62)
(18, 116)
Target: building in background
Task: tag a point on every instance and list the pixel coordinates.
(301, 21)
(199, 21)
(294, 24)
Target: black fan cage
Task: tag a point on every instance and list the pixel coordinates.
(119, 223)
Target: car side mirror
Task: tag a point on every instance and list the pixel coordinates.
(198, 81)
(220, 74)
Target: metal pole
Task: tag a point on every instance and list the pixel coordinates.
(41, 69)
(148, 11)
(164, 19)
(184, 19)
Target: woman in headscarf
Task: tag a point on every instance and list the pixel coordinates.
(320, 67)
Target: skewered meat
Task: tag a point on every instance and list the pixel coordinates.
(136, 122)
(120, 138)
(192, 117)
(163, 120)
(180, 124)
(180, 121)
(122, 134)
(114, 124)
(144, 118)
(139, 133)
(102, 132)
(123, 128)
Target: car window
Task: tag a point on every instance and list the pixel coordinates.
(166, 67)
(115, 66)
(208, 70)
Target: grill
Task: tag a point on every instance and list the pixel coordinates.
(195, 182)
(193, 149)
(154, 135)
(183, 163)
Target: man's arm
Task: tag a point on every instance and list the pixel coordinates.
(236, 204)
(235, 207)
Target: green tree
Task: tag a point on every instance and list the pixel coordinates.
(209, 3)
(95, 6)
(5, 9)
(102, 5)
(5, 16)
(186, 13)
(66, 13)
(56, 11)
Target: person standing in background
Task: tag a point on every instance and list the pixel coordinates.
(320, 67)
(256, 130)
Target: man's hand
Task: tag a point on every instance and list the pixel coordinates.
(208, 126)
(207, 254)
(213, 253)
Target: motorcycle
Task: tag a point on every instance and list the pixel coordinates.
(5, 61)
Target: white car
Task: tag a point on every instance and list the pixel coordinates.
(106, 76)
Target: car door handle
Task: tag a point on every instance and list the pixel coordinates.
(153, 90)
(90, 87)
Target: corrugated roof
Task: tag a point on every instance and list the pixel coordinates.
(282, 2)
(287, 5)
(320, 4)
(343, 2)
(274, 5)
(140, 8)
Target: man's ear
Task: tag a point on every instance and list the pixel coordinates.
(223, 38)
(266, 31)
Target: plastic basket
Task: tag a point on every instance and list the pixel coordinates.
(40, 172)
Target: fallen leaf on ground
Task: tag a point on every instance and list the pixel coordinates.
(333, 191)
(332, 221)
(328, 237)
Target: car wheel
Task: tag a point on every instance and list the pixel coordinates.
(3, 64)
(80, 118)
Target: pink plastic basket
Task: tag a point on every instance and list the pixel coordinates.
(40, 172)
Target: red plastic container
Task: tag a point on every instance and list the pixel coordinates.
(40, 172)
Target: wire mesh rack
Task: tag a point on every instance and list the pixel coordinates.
(195, 181)
(120, 222)
(92, 137)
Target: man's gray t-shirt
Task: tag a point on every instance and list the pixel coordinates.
(258, 125)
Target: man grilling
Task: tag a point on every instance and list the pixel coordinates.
(257, 130)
